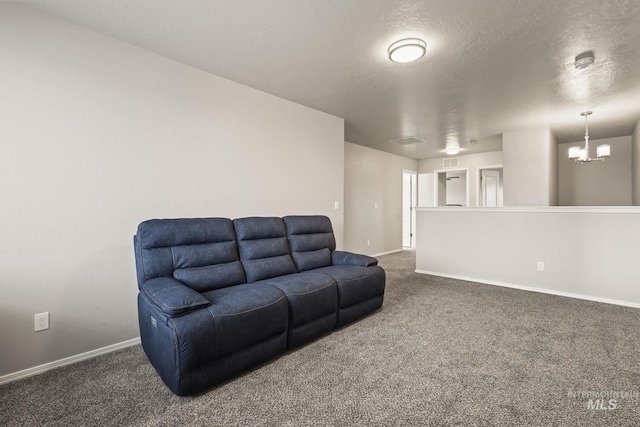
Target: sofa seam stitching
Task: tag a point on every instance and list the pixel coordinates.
(254, 309)
(314, 290)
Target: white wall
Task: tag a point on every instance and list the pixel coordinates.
(589, 253)
(471, 162)
(635, 162)
(530, 165)
(97, 136)
(599, 183)
(373, 177)
(426, 182)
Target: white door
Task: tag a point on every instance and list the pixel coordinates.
(490, 188)
(409, 199)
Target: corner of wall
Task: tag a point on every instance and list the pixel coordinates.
(528, 166)
(553, 170)
(373, 199)
(635, 166)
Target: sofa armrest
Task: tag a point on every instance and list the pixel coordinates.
(172, 297)
(348, 258)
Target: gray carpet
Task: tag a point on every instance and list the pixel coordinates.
(439, 352)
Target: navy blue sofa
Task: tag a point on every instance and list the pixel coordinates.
(220, 296)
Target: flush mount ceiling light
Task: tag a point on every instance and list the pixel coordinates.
(584, 60)
(407, 50)
(581, 155)
(452, 147)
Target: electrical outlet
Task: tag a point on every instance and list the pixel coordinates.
(41, 322)
(368, 242)
(540, 266)
(336, 204)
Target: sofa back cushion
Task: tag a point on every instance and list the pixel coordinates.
(200, 252)
(311, 239)
(263, 247)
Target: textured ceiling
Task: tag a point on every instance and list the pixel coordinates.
(491, 66)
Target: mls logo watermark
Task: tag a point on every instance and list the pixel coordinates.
(603, 400)
(602, 405)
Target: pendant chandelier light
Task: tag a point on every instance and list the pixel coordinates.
(581, 155)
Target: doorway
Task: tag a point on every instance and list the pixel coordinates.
(490, 186)
(451, 187)
(409, 202)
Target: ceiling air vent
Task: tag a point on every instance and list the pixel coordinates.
(403, 142)
(450, 163)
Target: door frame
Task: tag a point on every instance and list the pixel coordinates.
(436, 180)
(412, 207)
(479, 181)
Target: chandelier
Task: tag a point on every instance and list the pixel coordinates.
(578, 154)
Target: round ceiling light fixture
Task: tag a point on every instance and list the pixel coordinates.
(584, 60)
(407, 50)
(452, 147)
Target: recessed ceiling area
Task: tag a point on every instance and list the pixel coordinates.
(490, 66)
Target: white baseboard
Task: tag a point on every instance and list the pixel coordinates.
(67, 361)
(386, 253)
(534, 289)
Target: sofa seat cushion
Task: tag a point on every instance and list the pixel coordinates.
(311, 295)
(246, 315)
(355, 283)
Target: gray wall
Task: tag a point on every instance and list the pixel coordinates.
(530, 164)
(599, 183)
(503, 247)
(373, 178)
(98, 136)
